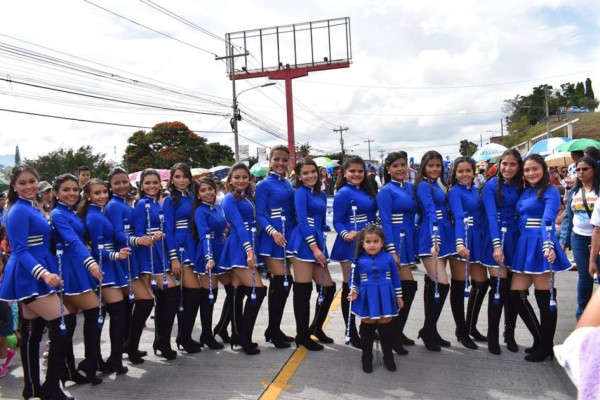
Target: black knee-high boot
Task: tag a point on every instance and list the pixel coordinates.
(70, 371)
(409, 289)
(31, 335)
(141, 312)
(495, 312)
(443, 289)
(91, 343)
(239, 293)
(367, 336)
(321, 312)
(354, 338)
(226, 312)
(386, 337)
(510, 320)
(428, 332)
(56, 356)
(457, 304)
(519, 302)
(191, 303)
(118, 314)
(278, 294)
(251, 309)
(206, 315)
(166, 316)
(302, 293)
(476, 297)
(548, 327)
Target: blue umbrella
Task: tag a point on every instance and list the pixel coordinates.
(546, 146)
(488, 151)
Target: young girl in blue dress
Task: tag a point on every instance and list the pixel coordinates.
(537, 252)
(354, 206)
(275, 216)
(500, 195)
(80, 274)
(376, 295)
(102, 240)
(397, 209)
(433, 210)
(30, 276)
(308, 247)
(468, 215)
(208, 227)
(120, 215)
(239, 254)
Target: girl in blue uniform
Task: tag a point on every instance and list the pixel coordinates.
(376, 295)
(537, 251)
(274, 209)
(397, 209)
(354, 206)
(468, 216)
(308, 247)
(434, 224)
(102, 240)
(79, 270)
(153, 262)
(209, 228)
(239, 255)
(120, 215)
(500, 195)
(30, 276)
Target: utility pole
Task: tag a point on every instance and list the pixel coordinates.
(547, 112)
(368, 141)
(381, 154)
(341, 131)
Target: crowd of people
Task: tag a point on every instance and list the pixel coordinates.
(92, 246)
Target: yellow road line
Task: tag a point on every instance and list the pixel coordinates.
(281, 381)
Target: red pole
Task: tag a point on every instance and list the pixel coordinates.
(289, 103)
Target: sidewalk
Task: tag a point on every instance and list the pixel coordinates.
(335, 373)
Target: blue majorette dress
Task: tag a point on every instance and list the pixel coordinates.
(180, 242)
(145, 222)
(433, 207)
(274, 200)
(97, 225)
(344, 219)
(210, 225)
(397, 209)
(76, 260)
(377, 282)
(241, 218)
(534, 214)
(310, 223)
(499, 211)
(29, 233)
(117, 211)
(463, 200)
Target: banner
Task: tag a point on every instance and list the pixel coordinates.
(261, 153)
(244, 152)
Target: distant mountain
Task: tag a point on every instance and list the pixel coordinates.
(8, 160)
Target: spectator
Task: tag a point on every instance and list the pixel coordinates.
(45, 196)
(83, 175)
(571, 173)
(479, 179)
(592, 152)
(373, 179)
(2, 207)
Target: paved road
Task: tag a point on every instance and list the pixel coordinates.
(335, 373)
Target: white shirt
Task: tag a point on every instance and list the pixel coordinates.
(595, 220)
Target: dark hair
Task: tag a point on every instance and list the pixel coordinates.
(14, 175)
(364, 185)
(249, 192)
(427, 157)
(592, 152)
(591, 161)
(183, 167)
(298, 167)
(198, 202)
(389, 160)
(83, 168)
(58, 181)
(517, 179)
(143, 175)
(85, 202)
(545, 181)
(460, 160)
(368, 230)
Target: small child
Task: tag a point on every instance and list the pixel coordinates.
(376, 295)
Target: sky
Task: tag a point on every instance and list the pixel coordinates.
(424, 75)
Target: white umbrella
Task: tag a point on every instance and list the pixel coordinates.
(561, 159)
(488, 151)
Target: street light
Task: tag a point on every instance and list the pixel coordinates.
(236, 116)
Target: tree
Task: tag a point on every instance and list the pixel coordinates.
(467, 148)
(64, 160)
(252, 161)
(166, 144)
(303, 149)
(219, 154)
(17, 156)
